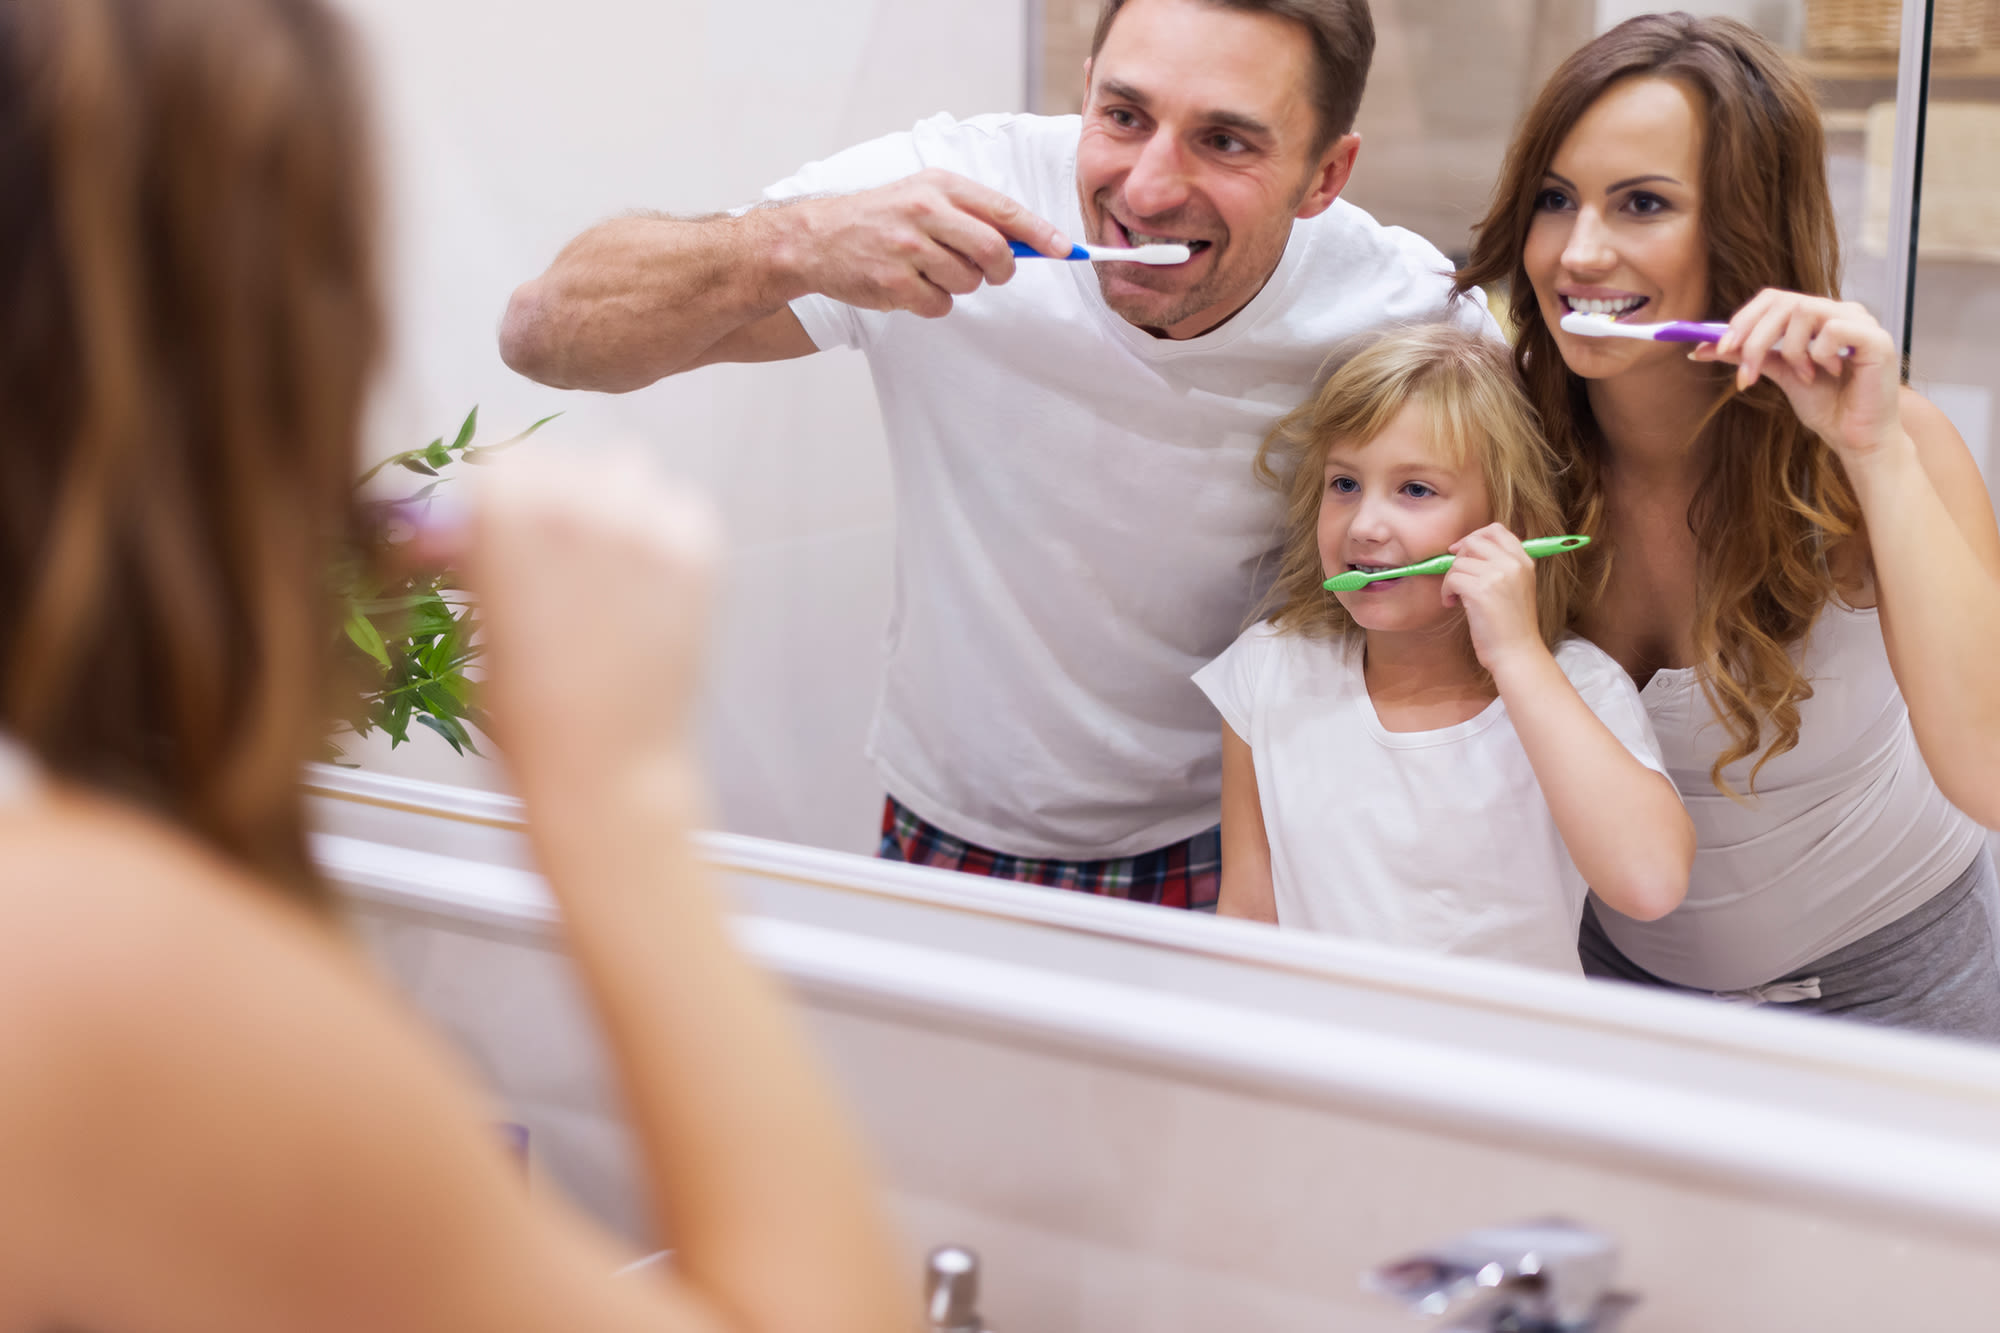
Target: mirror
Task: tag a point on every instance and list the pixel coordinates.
(505, 138)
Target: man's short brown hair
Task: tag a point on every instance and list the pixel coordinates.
(1343, 38)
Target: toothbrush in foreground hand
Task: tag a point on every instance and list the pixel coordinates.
(1145, 254)
(1674, 331)
(1356, 579)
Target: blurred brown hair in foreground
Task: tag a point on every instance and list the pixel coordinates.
(188, 321)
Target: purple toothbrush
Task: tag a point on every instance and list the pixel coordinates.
(1674, 331)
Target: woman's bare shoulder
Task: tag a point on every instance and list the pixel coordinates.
(100, 902)
(188, 1057)
(127, 954)
(127, 949)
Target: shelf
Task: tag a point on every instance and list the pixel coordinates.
(1981, 64)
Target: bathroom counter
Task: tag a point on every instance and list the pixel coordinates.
(1146, 1118)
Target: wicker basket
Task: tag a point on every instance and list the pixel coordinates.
(1875, 27)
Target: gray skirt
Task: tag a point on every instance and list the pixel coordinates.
(1934, 969)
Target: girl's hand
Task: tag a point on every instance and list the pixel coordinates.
(592, 577)
(1493, 577)
(1795, 341)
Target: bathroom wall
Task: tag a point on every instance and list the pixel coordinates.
(509, 127)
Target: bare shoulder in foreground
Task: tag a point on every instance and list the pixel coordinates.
(202, 1077)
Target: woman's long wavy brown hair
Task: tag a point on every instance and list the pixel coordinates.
(1774, 499)
(1473, 406)
(188, 320)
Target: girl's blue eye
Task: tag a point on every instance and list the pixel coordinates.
(1344, 485)
(1416, 490)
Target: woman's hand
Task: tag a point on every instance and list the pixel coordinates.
(592, 578)
(1493, 577)
(1797, 342)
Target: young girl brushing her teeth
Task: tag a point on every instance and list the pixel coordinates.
(1433, 762)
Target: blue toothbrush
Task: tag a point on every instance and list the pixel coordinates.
(1111, 254)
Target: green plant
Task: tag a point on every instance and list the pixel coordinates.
(409, 633)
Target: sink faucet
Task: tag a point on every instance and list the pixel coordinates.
(951, 1291)
(1549, 1276)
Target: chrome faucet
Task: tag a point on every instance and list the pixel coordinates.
(951, 1291)
(1549, 1276)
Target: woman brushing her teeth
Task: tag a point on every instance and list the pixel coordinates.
(1795, 556)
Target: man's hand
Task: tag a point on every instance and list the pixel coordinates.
(634, 300)
(914, 244)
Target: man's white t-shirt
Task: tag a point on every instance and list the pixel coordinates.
(1433, 840)
(1077, 524)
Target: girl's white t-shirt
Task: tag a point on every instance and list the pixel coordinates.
(1432, 840)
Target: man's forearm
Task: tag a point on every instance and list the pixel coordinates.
(640, 298)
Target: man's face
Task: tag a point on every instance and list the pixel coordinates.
(1199, 127)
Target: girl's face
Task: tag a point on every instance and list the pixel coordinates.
(1392, 502)
(1617, 226)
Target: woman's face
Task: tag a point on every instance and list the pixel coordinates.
(1617, 225)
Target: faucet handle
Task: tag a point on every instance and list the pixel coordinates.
(1549, 1276)
(951, 1291)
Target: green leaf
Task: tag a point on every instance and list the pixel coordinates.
(418, 466)
(396, 720)
(430, 617)
(454, 734)
(369, 475)
(443, 662)
(362, 632)
(439, 700)
(460, 690)
(388, 606)
(465, 431)
(437, 455)
(479, 454)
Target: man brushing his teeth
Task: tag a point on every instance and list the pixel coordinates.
(1078, 524)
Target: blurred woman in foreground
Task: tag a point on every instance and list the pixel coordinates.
(214, 1118)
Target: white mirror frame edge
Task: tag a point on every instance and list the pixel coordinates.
(1875, 1125)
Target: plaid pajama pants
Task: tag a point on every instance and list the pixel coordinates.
(1184, 874)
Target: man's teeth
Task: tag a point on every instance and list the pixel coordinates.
(1621, 306)
(1139, 238)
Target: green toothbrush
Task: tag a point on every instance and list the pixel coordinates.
(1355, 579)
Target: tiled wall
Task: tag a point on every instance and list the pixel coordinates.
(508, 135)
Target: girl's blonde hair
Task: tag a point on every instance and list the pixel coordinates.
(1473, 408)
